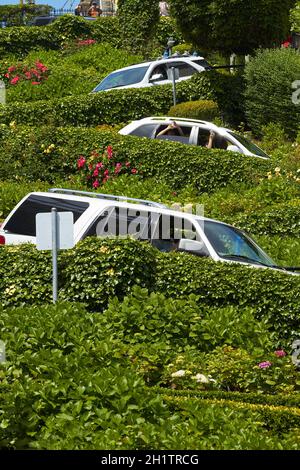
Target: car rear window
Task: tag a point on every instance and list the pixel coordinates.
(23, 220)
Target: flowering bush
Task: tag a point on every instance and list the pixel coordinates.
(98, 169)
(85, 42)
(15, 74)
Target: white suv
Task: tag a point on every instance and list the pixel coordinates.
(193, 132)
(152, 73)
(105, 215)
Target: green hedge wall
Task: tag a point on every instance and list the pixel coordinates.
(22, 155)
(96, 270)
(20, 40)
(118, 106)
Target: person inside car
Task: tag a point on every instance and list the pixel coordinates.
(171, 129)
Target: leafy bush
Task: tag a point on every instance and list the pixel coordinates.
(118, 106)
(74, 71)
(13, 15)
(206, 110)
(177, 165)
(137, 20)
(269, 77)
(98, 269)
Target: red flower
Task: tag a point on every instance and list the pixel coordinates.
(109, 151)
(106, 173)
(96, 184)
(96, 172)
(134, 171)
(127, 164)
(280, 353)
(12, 69)
(6, 75)
(28, 75)
(99, 165)
(35, 83)
(81, 162)
(15, 80)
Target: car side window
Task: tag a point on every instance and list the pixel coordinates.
(185, 129)
(147, 130)
(119, 221)
(160, 70)
(185, 70)
(169, 230)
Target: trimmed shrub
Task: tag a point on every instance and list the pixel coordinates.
(97, 269)
(137, 20)
(118, 106)
(178, 165)
(206, 110)
(269, 78)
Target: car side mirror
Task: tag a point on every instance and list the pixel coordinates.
(156, 77)
(194, 247)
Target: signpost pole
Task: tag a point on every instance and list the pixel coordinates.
(174, 85)
(54, 254)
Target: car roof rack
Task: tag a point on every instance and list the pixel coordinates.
(109, 197)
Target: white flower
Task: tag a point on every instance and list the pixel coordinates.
(179, 373)
(201, 378)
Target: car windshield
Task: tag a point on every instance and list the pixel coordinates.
(249, 145)
(123, 78)
(232, 244)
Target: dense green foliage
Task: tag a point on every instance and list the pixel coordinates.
(269, 77)
(97, 269)
(138, 20)
(23, 155)
(75, 71)
(236, 26)
(116, 106)
(295, 17)
(206, 110)
(69, 383)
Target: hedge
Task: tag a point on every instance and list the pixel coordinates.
(118, 106)
(269, 78)
(98, 269)
(206, 110)
(20, 40)
(23, 156)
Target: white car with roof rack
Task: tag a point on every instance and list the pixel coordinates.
(194, 132)
(157, 72)
(106, 215)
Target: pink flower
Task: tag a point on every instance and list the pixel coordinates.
(280, 353)
(28, 75)
(14, 80)
(127, 164)
(96, 184)
(106, 173)
(134, 171)
(96, 172)
(99, 165)
(11, 69)
(81, 162)
(6, 75)
(264, 365)
(109, 151)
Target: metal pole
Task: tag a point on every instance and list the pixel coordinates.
(54, 254)
(173, 85)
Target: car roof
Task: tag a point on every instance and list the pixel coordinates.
(162, 119)
(93, 200)
(158, 62)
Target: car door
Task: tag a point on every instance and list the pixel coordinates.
(185, 70)
(156, 70)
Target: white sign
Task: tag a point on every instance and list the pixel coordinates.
(65, 231)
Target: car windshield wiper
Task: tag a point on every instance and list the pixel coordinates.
(246, 258)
